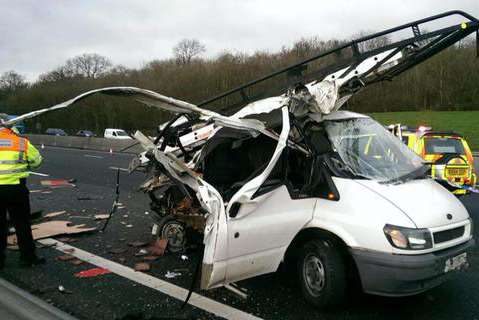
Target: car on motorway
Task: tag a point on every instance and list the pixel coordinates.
(55, 132)
(451, 159)
(118, 134)
(85, 133)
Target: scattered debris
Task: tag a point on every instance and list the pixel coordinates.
(65, 257)
(56, 183)
(147, 213)
(184, 257)
(140, 253)
(52, 228)
(150, 258)
(77, 262)
(172, 275)
(54, 214)
(159, 247)
(138, 244)
(118, 250)
(101, 216)
(236, 290)
(73, 180)
(129, 226)
(63, 290)
(142, 266)
(92, 273)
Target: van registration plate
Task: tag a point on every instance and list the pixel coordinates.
(456, 262)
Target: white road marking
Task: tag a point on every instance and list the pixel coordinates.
(116, 168)
(92, 156)
(165, 287)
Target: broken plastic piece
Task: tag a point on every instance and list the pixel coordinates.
(101, 216)
(142, 266)
(92, 273)
(159, 247)
(52, 228)
(54, 214)
(56, 183)
(172, 275)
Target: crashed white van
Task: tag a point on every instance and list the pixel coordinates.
(293, 179)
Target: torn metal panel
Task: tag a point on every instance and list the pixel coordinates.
(249, 189)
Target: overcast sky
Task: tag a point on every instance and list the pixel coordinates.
(39, 35)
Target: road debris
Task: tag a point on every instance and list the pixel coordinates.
(54, 214)
(150, 258)
(63, 290)
(56, 183)
(138, 244)
(92, 273)
(52, 228)
(172, 275)
(158, 248)
(101, 216)
(141, 253)
(77, 262)
(65, 257)
(142, 266)
(184, 257)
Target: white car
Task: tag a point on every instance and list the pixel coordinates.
(118, 134)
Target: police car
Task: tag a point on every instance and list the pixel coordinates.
(452, 162)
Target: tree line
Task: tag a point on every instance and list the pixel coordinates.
(448, 81)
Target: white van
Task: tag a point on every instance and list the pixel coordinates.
(119, 134)
(361, 206)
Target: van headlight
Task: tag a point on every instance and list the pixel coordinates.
(408, 238)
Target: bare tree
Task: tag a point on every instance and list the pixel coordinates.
(89, 65)
(11, 81)
(187, 49)
(59, 74)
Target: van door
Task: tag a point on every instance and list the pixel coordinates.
(263, 220)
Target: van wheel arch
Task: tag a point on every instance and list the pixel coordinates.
(309, 234)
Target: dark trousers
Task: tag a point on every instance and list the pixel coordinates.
(15, 200)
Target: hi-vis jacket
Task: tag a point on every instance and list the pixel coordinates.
(17, 157)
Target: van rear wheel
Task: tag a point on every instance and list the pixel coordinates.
(322, 273)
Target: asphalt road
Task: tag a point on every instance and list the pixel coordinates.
(110, 296)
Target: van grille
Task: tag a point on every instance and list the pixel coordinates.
(448, 235)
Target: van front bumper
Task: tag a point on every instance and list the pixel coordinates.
(402, 275)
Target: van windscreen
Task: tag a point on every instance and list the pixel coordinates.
(372, 152)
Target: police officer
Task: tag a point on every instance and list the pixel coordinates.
(17, 157)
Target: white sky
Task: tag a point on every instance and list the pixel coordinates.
(37, 36)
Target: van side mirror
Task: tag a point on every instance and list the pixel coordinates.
(234, 209)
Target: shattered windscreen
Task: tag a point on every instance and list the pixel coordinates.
(371, 152)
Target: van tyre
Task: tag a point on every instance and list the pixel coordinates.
(322, 273)
(174, 231)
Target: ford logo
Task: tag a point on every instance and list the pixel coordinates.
(449, 216)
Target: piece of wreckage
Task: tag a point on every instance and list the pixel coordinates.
(292, 179)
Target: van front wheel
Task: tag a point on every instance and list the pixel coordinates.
(322, 273)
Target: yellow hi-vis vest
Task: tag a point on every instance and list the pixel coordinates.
(17, 157)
